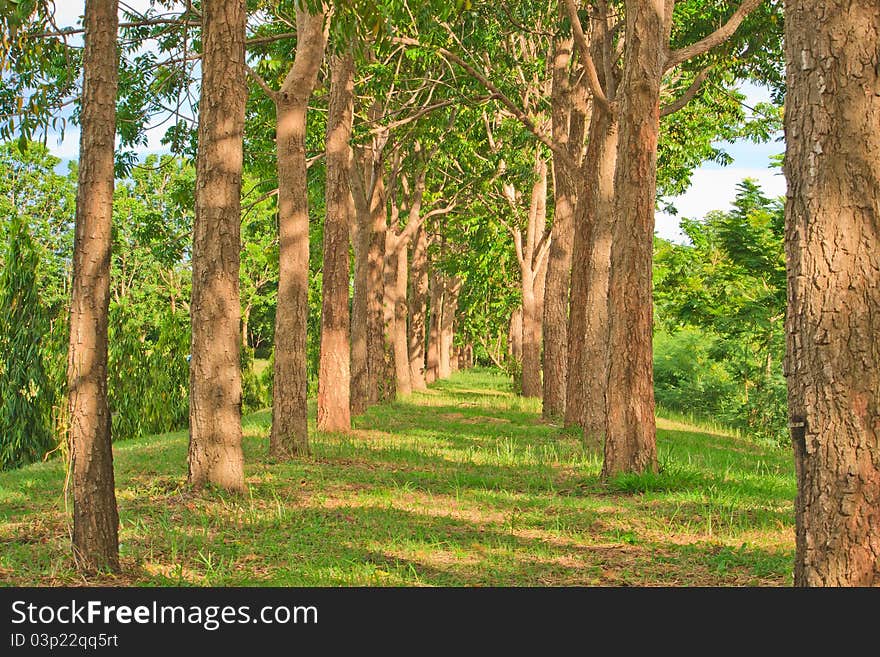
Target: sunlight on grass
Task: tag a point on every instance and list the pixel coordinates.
(463, 484)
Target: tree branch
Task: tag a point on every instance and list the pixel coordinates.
(514, 109)
(586, 58)
(688, 95)
(717, 37)
(256, 77)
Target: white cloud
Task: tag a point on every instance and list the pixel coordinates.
(715, 189)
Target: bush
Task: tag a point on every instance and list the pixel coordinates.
(25, 391)
(148, 373)
(687, 379)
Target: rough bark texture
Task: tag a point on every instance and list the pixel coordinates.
(832, 125)
(289, 435)
(377, 374)
(95, 518)
(432, 366)
(215, 454)
(451, 289)
(630, 427)
(418, 297)
(532, 285)
(588, 321)
(396, 278)
(334, 378)
(360, 239)
(568, 134)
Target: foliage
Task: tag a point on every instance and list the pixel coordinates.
(26, 395)
(720, 302)
(148, 372)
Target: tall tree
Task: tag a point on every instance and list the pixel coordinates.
(334, 377)
(591, 261)
(215, 454)
(630, 430)
(290, 387)
(832, 165)
(435, 308)
(451, 290)
(568, 113)
(397, 240)
(95, 517)
(417, 308)
(532, 249)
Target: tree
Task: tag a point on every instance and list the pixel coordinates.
(26, 395)
(724, 292)
(335, 368)
(629, 430)
(568, 114)
(591, 261)
(832, 243)
(95, 517)
(215, 454)
(289, 411)
(532, 247)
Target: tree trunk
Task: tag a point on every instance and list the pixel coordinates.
(360, 239)
(215, 454)
(289, 435)
(432, 369)
(832, 166)
(514, 335)
(588, 322)
(451, 288)
(630, 428)
(334, 378)
(397, 273)
(376, 348)
(531, 282)
(568, 133)
(417, 310)
(95, 517)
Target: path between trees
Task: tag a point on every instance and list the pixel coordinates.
(461, 485)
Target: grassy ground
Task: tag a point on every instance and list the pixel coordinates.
(461, 485)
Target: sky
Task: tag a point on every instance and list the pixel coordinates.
(713, 186)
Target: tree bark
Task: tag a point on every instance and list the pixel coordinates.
(289, 435)
(432, 369)
(396, 279)
(360, 239)
(417, 308)
(568, 133)
(832, 166)
(377, 373)
(215, 454)
(451, 289)
(630, 426)
(588, 321)
(334, 377)
(95, 517)
(531, 281)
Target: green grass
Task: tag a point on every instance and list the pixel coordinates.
(460, 485)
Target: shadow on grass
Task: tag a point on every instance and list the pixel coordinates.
(471, 489)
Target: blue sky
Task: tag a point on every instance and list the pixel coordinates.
(713, 186)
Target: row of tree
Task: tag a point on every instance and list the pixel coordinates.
(590, 87)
